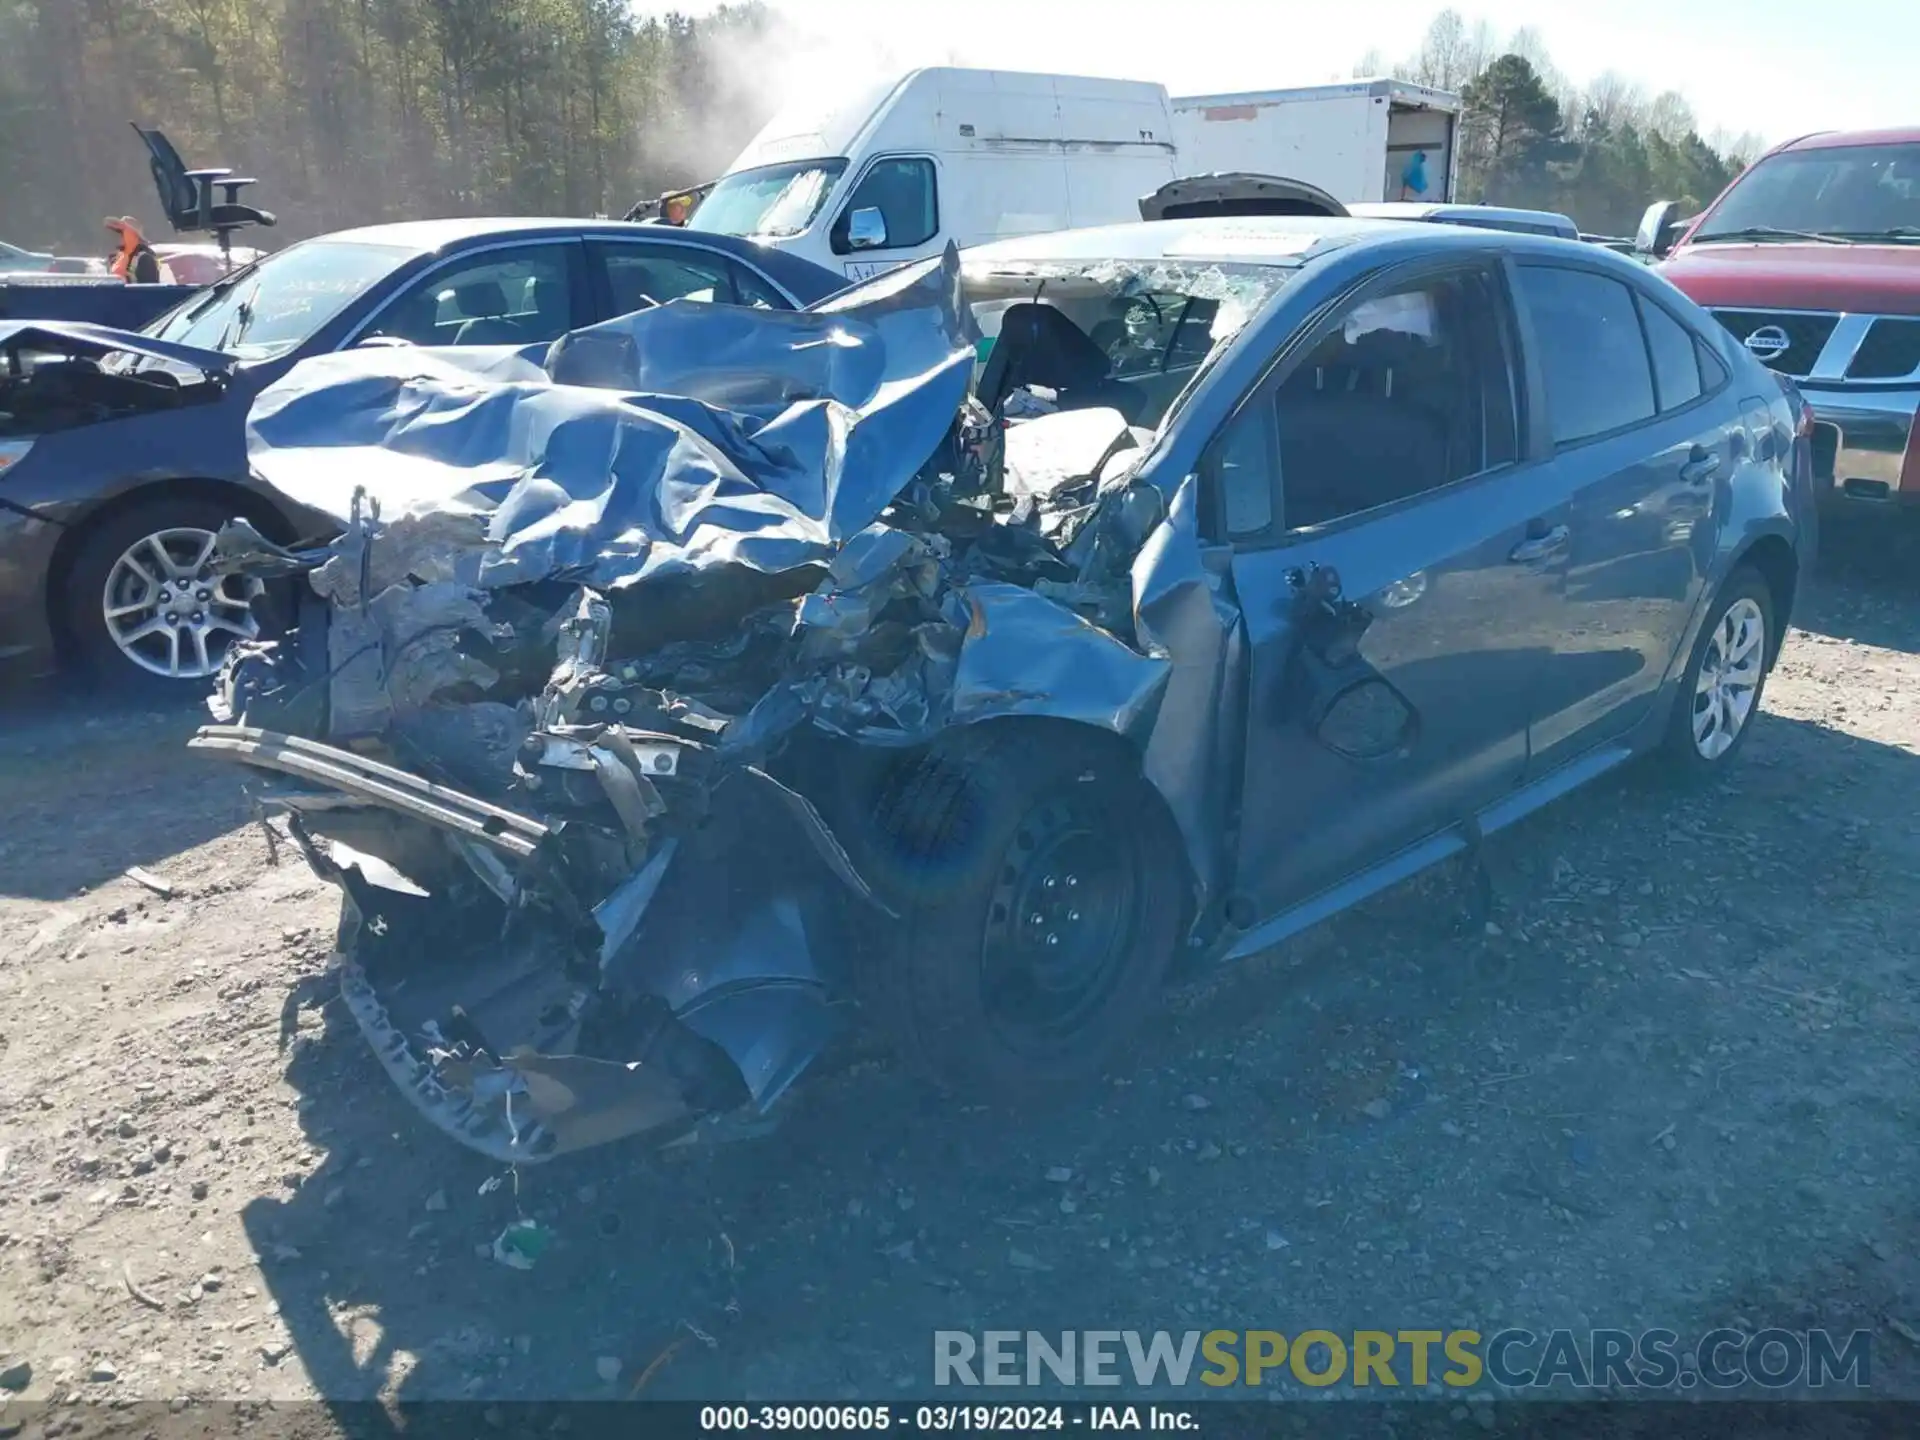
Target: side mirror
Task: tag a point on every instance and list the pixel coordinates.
(866, 229)
(1658, 229)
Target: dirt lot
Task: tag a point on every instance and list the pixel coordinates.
(1674, 1083)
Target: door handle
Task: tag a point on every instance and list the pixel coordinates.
(1540, 547)
(1702, 465)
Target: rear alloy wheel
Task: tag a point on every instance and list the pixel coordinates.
(1728, 684)
(144, 605)
(1720, 691)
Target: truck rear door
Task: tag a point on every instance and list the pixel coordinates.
(1419, 153)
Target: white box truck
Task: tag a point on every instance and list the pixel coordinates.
(865, 181)
(1363, 143)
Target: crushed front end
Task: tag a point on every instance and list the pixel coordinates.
(585, 703)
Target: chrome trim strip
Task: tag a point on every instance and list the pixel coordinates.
(1842, 345)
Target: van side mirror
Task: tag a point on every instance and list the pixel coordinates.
(866, 229)
(1659, 228)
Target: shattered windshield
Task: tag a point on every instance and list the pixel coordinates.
(773, 200)
(270, 308)
(1846, 192)
(1121, 333)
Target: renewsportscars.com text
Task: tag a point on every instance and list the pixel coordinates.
(1461, 1359)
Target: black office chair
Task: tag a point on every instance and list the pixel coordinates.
(186, 196)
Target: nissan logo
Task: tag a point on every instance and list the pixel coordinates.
(1769, 342)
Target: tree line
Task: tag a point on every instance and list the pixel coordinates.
(357, 111)
(1530, 137)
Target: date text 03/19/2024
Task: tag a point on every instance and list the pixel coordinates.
(943, 1419)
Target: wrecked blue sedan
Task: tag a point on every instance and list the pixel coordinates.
(969, 646)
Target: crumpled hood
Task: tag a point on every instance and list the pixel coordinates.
(676, 439)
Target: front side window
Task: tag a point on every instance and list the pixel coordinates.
(903, 190)
(519, 296)
(1408, 391)
(770, 201)
(1853, 192)
(1595, 362)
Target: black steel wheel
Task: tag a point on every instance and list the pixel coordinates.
(1043, 891)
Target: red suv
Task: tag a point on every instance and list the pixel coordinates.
(1811, 258)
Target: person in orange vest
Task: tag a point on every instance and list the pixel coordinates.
(134, 260)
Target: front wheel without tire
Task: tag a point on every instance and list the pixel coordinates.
(1043, 889)
(142, 606)
(1720, 691)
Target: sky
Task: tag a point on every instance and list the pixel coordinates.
(1778, 68)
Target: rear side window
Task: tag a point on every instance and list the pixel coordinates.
(1713, 371)
(1591, 352)
(1676, 357)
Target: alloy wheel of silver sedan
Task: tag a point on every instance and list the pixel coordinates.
(169, 613)
(1730, 675)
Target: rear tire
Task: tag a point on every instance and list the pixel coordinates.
(132, 594)
(1042, 889)
(1721, 688)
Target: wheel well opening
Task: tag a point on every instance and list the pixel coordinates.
(1772, 558)
(219, 492)
(1102, 750)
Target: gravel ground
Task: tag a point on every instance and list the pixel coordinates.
(1673, 1083)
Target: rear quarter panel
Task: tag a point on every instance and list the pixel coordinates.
(1769, 501)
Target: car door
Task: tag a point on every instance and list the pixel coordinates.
(1399, 575)
(904, 190)
(1642, 448)
(629, 275)
(505, 294)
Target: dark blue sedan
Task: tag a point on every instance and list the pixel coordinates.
(117, 469)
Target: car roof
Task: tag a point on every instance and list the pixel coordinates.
(1833, 139)
(1428, 209)
(1286, 240)
(807, 281)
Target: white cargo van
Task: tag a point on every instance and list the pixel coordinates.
(863, 182)
(1362, 143)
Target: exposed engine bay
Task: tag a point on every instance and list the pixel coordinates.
(54, 377)
(604, 707)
